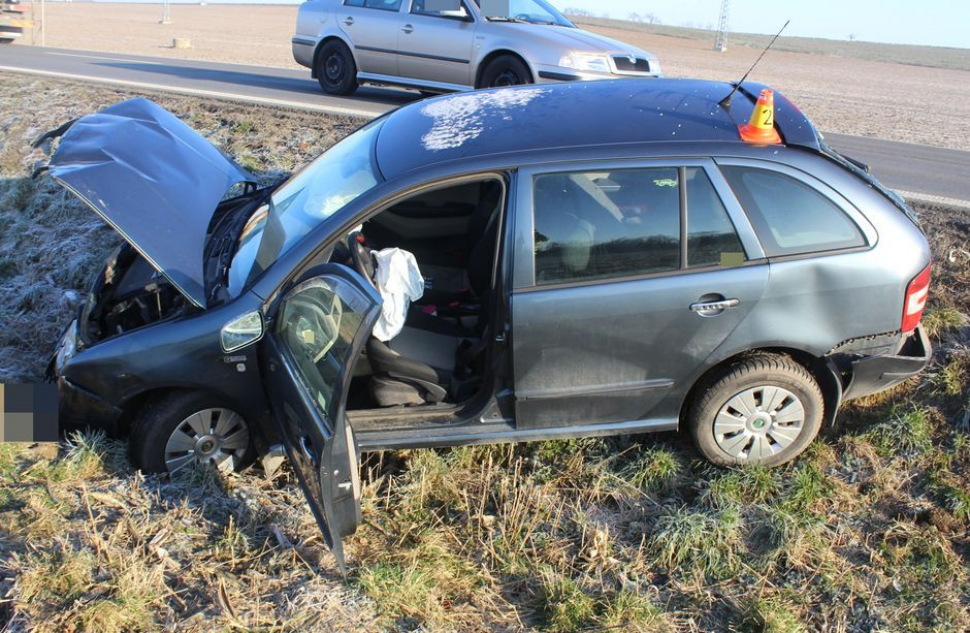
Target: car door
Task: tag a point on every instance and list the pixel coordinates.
(308, 358)
(626, 277)
(372, 27)
(435, 42)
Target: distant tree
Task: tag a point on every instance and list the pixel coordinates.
(635, 17)
(651, 18)
(853, 37)
(582, 13)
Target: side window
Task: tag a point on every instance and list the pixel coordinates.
(790, 217)
(594, 225)
(386, 5)
(439, 8)
(711, 238)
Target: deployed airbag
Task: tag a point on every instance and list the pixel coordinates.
(400, 282)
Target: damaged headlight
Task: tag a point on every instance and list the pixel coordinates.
(242, 331)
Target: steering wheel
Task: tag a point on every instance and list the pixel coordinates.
(361, 257)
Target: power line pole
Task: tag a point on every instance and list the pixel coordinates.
(720, 40)
(166, 14)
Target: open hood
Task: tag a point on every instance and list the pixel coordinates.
(153, 179)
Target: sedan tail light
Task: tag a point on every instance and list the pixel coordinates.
(915, 301)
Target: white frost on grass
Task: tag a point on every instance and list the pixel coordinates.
(462, 118)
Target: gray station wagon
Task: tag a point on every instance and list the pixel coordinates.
(485, 267)
(451, 45)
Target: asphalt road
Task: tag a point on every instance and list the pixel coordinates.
(903, 166)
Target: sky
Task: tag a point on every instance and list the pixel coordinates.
(931, 22)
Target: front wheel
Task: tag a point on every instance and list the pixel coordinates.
(336, 70)
(505, 71)
(763, 410)
(186, 428)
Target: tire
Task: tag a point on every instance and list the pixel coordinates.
(155, 447)
(506, 70)
(336, 70)
(728, 431)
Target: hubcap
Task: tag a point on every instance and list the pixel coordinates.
(219, 436)
(759, 422)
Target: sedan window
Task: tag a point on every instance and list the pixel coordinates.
(594, 225)
(711, 238)
(790, 217)
(386, 5)
(440, 8)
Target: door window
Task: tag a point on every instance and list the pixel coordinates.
(790, 217)
(440, 8)
(711, 238)
(386, 5)
(317, 326)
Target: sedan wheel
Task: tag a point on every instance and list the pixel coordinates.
(182, 428)
(503, 71)
(759, 422)
(335, 69)
(764, 409)
(217, 436)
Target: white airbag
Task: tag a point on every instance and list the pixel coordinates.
(400, 282)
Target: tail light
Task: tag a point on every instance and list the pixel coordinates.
(916, 294)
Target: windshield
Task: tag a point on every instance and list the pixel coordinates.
(533, 11)
(312, 195)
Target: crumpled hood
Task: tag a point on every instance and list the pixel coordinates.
(153, 179)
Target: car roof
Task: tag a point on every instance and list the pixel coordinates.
(577, 114)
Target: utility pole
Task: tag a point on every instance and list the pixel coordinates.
(720, 40)
(166, 15)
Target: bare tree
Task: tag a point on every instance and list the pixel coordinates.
(635, 17)
(651, 18)
(582, 13)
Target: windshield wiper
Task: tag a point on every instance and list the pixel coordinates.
(505, 18)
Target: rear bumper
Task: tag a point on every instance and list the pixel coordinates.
(303, 49)
(872, 374)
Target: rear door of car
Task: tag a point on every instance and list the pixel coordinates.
(434, 44)
(626, 277)
(314, 340)
(372, 26)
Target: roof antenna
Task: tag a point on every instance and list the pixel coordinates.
(726, 101)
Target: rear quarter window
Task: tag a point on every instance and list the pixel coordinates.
(790, 217)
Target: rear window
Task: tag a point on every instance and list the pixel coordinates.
(790, 217)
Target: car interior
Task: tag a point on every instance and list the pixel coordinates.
(436, 359)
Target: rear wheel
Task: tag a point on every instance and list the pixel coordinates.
(763, 410)
(506, 70)
(336, 70)
(185, 428)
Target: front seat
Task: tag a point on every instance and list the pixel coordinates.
(397, 380)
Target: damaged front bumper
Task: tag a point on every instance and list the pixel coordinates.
(78, 408)
(872, 374)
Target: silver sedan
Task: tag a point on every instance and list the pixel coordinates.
(451, 45)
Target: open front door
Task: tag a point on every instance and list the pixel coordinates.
(308, 359)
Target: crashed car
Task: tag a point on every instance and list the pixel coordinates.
(487, 267)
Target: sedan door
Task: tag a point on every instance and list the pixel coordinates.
(372, 27)
(435, 42)
(308, 359)
(626, 278)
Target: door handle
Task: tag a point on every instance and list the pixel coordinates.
(710, 308)
(348, 21)
(407, 28)
(308, 450)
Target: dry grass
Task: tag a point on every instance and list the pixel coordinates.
(867, 531)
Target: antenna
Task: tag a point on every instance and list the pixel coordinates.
(720, 40)
(726, 101)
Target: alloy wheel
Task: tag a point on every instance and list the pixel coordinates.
(759, 422)
(219, 436)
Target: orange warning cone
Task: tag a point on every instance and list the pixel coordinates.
(760, 128)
